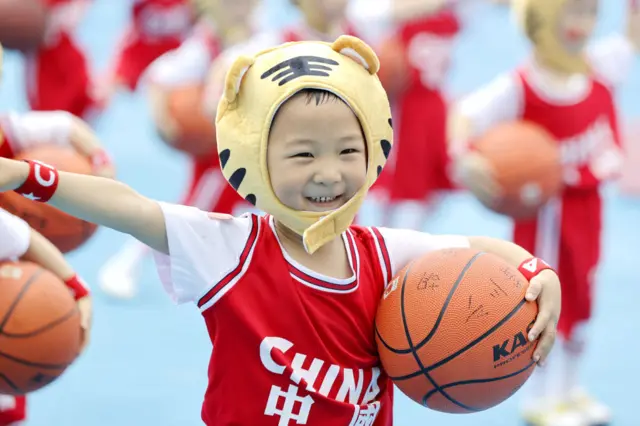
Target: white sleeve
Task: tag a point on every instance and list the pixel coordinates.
(37, 128)
(499, 101)
(202, 250)
(612, 58)
(405, 245)
(15, 236)
(188, 64)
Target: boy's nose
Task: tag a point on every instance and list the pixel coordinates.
(327, 175)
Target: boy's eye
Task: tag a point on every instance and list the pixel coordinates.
(350, 151)
(302, 155)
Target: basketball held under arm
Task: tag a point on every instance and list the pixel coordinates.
(98, 200)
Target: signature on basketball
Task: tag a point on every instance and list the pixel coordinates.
(510, 274)
(429, 281)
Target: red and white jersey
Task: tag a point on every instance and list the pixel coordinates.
(64, 17)
(580, 113)
(15, 235)
(19, 132)
(295, 346)
(429, 44)
(428, 40)
(160, 20)
(189, 63)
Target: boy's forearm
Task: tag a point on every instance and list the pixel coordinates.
(512, 253)
(102, 201)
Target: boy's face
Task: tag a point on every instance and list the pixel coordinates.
(316, 155)
(577, 21)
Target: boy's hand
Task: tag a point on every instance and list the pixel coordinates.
(166, 126)
(474, 172)
(85, 306)
(545, 288)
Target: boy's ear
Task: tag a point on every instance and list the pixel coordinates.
(359, 51)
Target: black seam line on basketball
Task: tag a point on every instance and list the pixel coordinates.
(17, 299)
(475, 381)
(413, 351)
(442, 311)
(42, 329)
(11, 384)
(35, 364)
(469, 346)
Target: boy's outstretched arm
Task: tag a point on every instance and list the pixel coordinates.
(99, 200)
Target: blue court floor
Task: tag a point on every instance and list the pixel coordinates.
(147, 362)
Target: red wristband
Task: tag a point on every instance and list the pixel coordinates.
(41, 183)
(532, 267)
(100, 159)
(77, 287)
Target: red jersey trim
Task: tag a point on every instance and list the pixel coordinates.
(383, 255)
(321, 282)
(220, 288)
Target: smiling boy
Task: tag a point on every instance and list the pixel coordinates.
(289, 299)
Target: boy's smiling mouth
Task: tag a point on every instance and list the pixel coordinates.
(326, 202)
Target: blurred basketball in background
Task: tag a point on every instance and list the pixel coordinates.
(22, 24)
(527, 162)
(66, 232)
(41, 331)
(394, 66)
(196, 134)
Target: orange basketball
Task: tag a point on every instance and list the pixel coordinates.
(394, 66)
(527, 162)
(196, 132)
(22, 24)
(40, 332)
(66, 232)
(452, 330)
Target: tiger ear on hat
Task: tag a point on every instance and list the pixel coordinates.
(359, 51)
(232, 83)
(234, 77)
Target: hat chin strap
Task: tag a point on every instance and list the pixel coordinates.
(550, 54)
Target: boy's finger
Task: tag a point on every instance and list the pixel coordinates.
(534, 289)
(545, 344)
(541, 324)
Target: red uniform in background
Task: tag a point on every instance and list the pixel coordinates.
(58, 75)
(155, 27)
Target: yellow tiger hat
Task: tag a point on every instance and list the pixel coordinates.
(255, 87)
(539, 19)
